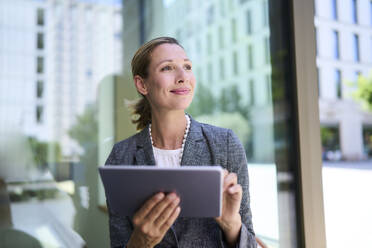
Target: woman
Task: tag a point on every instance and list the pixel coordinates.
(163, 75)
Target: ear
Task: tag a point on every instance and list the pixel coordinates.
(139, 82)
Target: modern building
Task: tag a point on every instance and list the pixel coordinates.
(52, 59)
(344, 50)
(229, 44)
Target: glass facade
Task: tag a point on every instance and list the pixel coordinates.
(344, 121)
(62, 107)
(54, 54)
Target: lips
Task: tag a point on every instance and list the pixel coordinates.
(181, 91)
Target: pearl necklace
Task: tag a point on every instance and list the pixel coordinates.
(184, 136)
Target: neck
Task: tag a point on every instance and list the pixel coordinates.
(168, 129)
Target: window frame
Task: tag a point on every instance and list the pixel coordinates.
(308, 123)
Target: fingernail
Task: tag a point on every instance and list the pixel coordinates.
(176, 201)
(171, 196)
(160, 196)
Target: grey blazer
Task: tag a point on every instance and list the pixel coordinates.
(205, 145)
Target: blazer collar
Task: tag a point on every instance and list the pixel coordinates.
(191, 153)
(144, 154)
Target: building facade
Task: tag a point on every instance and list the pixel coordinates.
(344, 51)
(53, 56)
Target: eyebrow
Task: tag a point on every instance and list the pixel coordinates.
(169, 60)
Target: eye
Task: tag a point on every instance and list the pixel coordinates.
(188, 67)
(166, 68)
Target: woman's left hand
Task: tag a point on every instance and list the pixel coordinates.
(230, 220)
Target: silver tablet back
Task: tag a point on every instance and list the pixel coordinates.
(199, 187)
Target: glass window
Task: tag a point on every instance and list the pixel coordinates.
(40, 17)
(345, 146)
(370, 11)
(250, 56)
(336, 45)
(334, 10)
(39, 114)
(63, 140)
(265, 13)
(222, 69)
(222, 7)
(235, 63)
(356, 47)
(233, 30)
(251, 93)
(39, 89)
(48, 191)
(40, 41)
(267, 50)
(367, 141)
(209, 44)
(354, 11)
(210, 73)
(210, 15)
(249, 21)
(40, 65)
(221, 37)
(338, 80)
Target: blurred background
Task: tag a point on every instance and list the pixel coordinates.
(65, 79)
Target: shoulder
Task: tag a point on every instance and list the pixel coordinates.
(124, 150)
(128, 142)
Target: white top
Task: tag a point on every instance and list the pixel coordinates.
(167, 158)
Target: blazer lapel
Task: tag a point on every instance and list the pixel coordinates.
(144, 154)
(195, 150)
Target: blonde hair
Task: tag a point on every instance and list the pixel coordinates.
(140, 65)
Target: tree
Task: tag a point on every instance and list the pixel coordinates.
(40, 151)
(85, 130)
(363, 93)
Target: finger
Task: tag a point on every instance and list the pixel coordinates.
(169, 222)
(164, 216)
(225, 173)
(237, 188)
(148, 206)
(230, 180)
(159, 208)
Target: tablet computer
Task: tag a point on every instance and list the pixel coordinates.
(199, 188)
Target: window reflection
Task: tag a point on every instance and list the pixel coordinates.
(51, 189)
(53, 56)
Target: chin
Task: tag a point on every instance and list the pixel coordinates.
(182, 105)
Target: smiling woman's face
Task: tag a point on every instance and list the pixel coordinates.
(171, 81)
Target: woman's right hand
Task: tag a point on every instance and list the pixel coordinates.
(153, 219)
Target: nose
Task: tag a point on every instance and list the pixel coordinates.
(182, 76)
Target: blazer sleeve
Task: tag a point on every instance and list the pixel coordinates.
(120, 227)
(237, 163)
